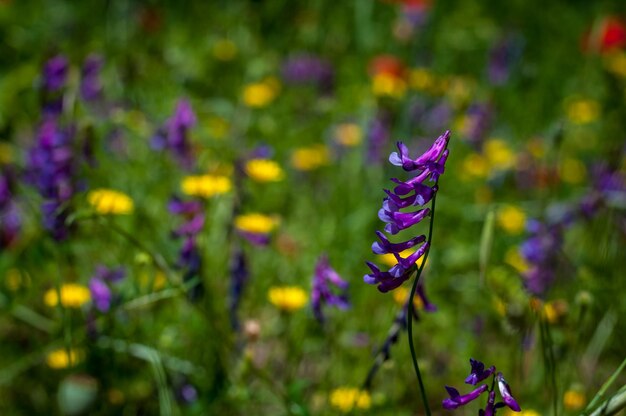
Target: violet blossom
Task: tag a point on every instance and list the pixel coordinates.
(174, 135)
(478, 374)
(52, 166)
(10, 219)
(307, 69)
(541, 252)
(324, 278)
(53, 80)
(90, 83)
(100, 286)
(189, 258)
(412, 193)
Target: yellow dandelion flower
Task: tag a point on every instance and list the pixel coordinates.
(511, 219)
(264, 170)
(61, 358)
(525, 412)
(108, 201)
(499, 306)
(573, 400)
(401, 294)
(555, 310)
(287, 298)
(6, 153)
(73, 295)
(347, 398)
(260, 94)
(572, 171)
(583, 111)
(310, 158)
(205, 186)
(225, 50)
(388, 85)
(421, 79)
(256, 223)
(348, 134)
(514, 259)
(475, 165)
(499, 154)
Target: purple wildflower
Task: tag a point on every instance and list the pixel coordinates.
(377, 136)
(52, 169)
(174, 136)
(55, 73)
(10, 219)
(90, 84)
(239, 275)
(100, 286)
(541, 251)
(478, 123)
(414, 192)
(324, 278)
(478, 374)
(189, 259)
(303, 69)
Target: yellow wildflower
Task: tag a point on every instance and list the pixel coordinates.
(264, 170)
(555, 310)
(499, 154)
(583, 111)
(572, 170)
(348, 134)
(310, 158)
(61, 358)
(287, 298)
(256, 223)
(205, 186)
(73, 295)
(108, 201)
(390, 260)
(616, 63)
(389, 85)
(225, 50)
(511, 219)
(401, 294)
(514, 259)
(524, 412)
(6, 153)
(421, 79)
(260, 94)
(347, 398)
(573, 400)
(476, 165)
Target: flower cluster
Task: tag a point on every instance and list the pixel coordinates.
(189, 259)
(305, 69)
(173, 136)
(479, 373)
(10, 220)
(414, 192)
(52, 165)
(541, 252)
(53, 81)
(90, 84)
(324, 278)
(100, 286)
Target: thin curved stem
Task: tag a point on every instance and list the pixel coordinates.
(410, 309)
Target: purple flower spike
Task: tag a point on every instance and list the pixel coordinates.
(505, 392)
(414, 192)
(100, 294)
(478, 373)
(55, 73)
(321, 293)
(456, 399)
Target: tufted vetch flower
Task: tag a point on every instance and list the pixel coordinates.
(324, 279)
(414, 192)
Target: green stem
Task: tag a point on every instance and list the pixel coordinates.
(600, 395)
(410, 309)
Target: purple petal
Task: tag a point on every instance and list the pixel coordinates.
(505, 392)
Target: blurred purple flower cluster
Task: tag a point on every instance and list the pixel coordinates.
(100, 286)
(324, 279)
(174, 135)
(307, 69)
